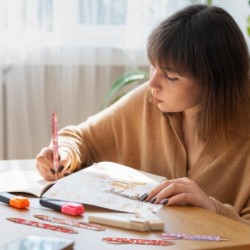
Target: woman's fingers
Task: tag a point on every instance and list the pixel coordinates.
(44, 164)
(182, 199)
(195, 199)
(64, 163)
(45, 156)
(178, 192)
(167, 188)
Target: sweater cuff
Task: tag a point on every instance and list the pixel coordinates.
(225, 209)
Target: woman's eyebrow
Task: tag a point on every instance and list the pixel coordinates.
(173, 71)
(170, 71)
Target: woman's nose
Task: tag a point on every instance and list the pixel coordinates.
(154, 78)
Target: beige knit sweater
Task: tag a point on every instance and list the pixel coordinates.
(134, 132)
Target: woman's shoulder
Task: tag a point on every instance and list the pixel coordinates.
(141, 90)
(130, 104)
(137, 96)
(136, 104)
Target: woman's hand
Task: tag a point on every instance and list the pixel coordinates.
(44, 164)
(179, 192)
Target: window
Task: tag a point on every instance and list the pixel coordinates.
(95, 23)
(115, 23)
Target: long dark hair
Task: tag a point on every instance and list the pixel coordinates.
(205, 43)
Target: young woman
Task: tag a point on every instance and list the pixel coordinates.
(190, 122)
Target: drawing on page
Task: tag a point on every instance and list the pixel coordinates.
(120, 193)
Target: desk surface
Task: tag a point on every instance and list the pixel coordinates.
(188, 220)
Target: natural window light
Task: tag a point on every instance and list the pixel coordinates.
(64, 55)
(113, 23)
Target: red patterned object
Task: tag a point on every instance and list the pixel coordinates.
(43, 225)
(55, 142)
(113, 240)
(72, 223)
(177, 236)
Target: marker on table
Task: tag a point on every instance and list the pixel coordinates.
(14, 201)
(55, 143)
(63, 206)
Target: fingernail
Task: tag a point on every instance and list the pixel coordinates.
(60, 169)
(153, 200)
(144, 197)
(66, 174)
(52, 171)
(164, 201)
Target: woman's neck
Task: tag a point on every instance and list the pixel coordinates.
(189, 118)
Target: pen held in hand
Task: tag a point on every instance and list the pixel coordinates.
(55, 143)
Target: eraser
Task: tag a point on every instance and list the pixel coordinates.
(155, 222)
(138, 224)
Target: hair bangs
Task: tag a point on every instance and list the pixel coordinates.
(168, 49)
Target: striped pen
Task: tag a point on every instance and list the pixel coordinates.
(54, 123)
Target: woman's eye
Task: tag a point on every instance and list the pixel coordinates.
(171, 78)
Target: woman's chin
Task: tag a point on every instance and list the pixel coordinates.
(161, 106)
(165, 109)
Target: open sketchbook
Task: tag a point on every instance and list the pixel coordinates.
(22, 176)
(108, 185)
(105, 184)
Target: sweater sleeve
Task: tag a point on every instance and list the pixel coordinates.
(104, 136)
(230, 212)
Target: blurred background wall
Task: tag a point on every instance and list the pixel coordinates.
(63, 55)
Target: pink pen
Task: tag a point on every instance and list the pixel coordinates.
(63, 206)
(55, 143)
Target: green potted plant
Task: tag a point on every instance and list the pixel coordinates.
(120, 86)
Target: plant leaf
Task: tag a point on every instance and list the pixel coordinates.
(123, 81)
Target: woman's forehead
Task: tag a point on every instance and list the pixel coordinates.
(170, 68)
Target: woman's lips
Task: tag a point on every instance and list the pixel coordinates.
(156, 100)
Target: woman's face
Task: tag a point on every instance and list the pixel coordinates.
(173, 92)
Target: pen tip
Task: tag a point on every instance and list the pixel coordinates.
(38, 216)
(11, 219)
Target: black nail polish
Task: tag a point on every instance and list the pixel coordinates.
(164, 201)
(52, 171)
(60, 169)
(144, 197)
(153, 200)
